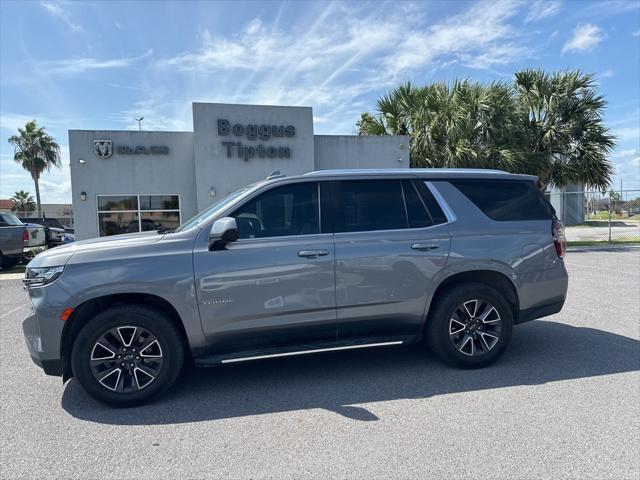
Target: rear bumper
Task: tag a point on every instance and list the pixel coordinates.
(33, 251)
(540, 311)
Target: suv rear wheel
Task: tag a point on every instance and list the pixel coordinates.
(470, 325)
(127, 355)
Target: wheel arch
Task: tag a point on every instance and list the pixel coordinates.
(88, 309)
(493, 278)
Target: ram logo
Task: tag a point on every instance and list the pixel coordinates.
(103, 148)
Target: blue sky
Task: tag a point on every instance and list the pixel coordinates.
(98, 65)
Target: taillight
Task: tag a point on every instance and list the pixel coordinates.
(25, 236)
(559, 240)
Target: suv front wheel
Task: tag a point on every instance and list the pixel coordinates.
(127, 354)
(470, 325)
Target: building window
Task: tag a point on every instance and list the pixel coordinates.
(137, 213)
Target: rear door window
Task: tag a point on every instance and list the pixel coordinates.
(417, 214)
(503, 200)
(370, 205)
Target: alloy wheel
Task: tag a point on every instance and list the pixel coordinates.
(126, 359)
(475, 327)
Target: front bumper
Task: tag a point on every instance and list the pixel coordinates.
(43, 328)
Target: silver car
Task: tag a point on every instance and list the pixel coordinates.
(330, 260)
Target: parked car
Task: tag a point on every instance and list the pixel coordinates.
(18, 239)
(54, 232)
(69, 238)
(331, 260)
(35, 240)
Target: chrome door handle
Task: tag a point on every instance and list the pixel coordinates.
(425, 246)
(313, 253)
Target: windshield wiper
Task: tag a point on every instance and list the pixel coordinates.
(165, 230)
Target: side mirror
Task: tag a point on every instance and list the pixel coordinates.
(223, 231)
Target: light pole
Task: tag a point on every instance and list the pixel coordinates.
(139, 120)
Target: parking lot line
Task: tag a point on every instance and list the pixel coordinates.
(6, 314)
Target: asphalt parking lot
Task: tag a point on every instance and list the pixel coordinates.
(564, 402)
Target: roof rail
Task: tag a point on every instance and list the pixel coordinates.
(275, 174)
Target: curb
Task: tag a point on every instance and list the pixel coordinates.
(603, 248)
(11, 276)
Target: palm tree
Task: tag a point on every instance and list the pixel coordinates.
(36, 151)
(549, 125)
(465, 124)
(23, 202)
(566, 140)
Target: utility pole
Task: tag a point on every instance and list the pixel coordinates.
(139, 120)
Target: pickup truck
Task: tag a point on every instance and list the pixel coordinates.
(54, 232)
(18, 239)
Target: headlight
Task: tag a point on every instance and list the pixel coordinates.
(39, 277)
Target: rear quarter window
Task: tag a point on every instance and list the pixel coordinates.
(504, 200)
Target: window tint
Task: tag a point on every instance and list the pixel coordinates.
(159, 202)
(116, 202)
(137, 213)
(370, 205)
(115, 223)
(506, 200)
(283, 211)
(431, 203)
(416, 212)
(9, 219)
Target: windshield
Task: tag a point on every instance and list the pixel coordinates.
(193, 221)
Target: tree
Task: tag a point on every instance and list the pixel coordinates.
(23, 202)
(546, 125)
(36, 151)
(566, 139)
(462, 125)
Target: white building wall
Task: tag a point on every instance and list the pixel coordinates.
(129, 174)
(198, 166)
(361, 151)
(219, 173)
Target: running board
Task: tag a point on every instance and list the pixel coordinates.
(249, 356)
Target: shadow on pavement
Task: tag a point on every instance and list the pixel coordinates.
(540, 352)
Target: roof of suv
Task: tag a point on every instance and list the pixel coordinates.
(434, 173)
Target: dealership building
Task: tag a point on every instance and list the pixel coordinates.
(128, 181)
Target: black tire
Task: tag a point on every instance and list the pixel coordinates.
(147, 320)
(8, 262)
(446, 317)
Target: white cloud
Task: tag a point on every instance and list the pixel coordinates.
(11, 121)
(55, 185)
(332, 58)
(57, 10)
(585, 38)
(80, 65)
(636, 33)
(627, 166)
(481, 37)
(627, 133)
(608, 73)
(541, 9)
(626, 153)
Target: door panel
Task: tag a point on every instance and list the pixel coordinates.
(261, 292)
(382, 282)
(388, 250)
(276, 284)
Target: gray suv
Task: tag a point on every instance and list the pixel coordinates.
(330, 260)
